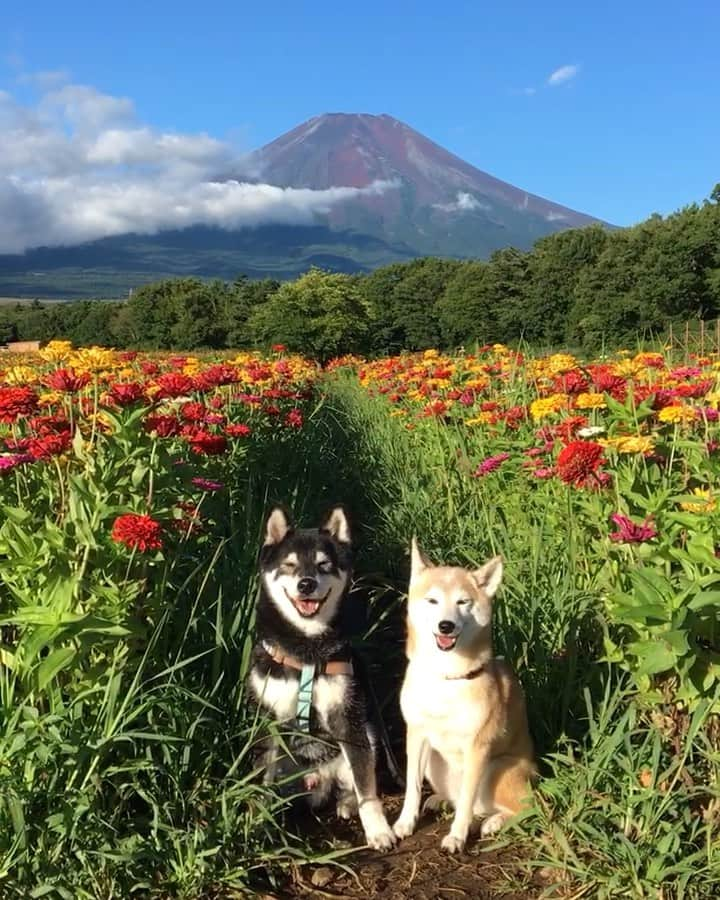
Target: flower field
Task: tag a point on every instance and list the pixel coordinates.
(133, 488)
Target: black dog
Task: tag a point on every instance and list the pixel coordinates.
(303, 669)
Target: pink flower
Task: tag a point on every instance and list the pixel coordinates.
(490, 464)
(206, 485)
(630, 532)
(544, 472)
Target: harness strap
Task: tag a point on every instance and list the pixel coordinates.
(308, 671)
(304, 701)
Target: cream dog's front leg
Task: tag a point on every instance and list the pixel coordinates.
(475, 759)
(417, 758)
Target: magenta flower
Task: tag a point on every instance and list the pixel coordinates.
(490, 464)
(17, 459)
(629, 532)
(205, 485)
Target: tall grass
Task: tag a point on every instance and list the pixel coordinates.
(628, 805)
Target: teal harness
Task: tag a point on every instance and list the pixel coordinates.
(308, 673)
(304, 700)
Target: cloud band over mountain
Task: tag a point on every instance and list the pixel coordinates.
(77, 166)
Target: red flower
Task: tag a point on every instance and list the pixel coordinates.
(294, 419)
(279, 348)
(606, 382)
(149, 368)
(567, 429)
(579, 461)
(436, 408)
(573, 382)
(193, 412)
(238, 430)
(137, 532)
(128, 393)
(630, 532)
(163, 426)
(217, 375)
(206, 443)
(50, 445)
(43, 425)
(16, 402)
(175, 384)
(66, 380)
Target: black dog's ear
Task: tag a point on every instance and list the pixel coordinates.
(277, 526)
(337, 525)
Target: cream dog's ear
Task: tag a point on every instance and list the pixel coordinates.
(489, 576)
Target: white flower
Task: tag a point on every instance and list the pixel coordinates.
(590, 431)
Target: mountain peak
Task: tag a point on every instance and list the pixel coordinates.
(429, 199)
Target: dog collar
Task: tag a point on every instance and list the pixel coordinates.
(329, 667)
(473, 673)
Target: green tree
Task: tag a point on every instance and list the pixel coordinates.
(319, 314)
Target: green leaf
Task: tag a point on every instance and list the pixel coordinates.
(57, 661)
(705, 598)
(653, 656)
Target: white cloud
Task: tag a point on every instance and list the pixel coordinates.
(463, 202)
(563, 75)
(77, 165)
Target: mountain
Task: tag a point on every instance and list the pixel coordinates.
(433, 201)
(408, 197)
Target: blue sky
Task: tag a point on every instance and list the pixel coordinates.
(632, 128)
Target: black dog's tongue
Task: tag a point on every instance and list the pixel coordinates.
(307, 607)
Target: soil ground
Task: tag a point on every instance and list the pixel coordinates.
(417, 869)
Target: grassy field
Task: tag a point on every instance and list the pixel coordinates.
(133, 490)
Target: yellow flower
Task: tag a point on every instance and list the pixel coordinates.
(560, 363)
(482, 418)
(708, 502)
(713, 399)
(431, 354)
(628, 368)
(55, 351)
(20, 375)
(629, 444)
(93, 360)
(677, 414)
(477, 384)
(394, 413)
(50, 398)
(590, 401)
(546, 406)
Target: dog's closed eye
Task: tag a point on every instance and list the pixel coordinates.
(432, 600)
(465, 601)
(325, 566)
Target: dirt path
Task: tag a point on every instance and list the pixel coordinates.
(416, 869)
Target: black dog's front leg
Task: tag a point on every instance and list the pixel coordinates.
(359, 754)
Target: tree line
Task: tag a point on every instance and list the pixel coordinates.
(582, 287)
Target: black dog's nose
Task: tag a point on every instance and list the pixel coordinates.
(307, 585)
(446, 626)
